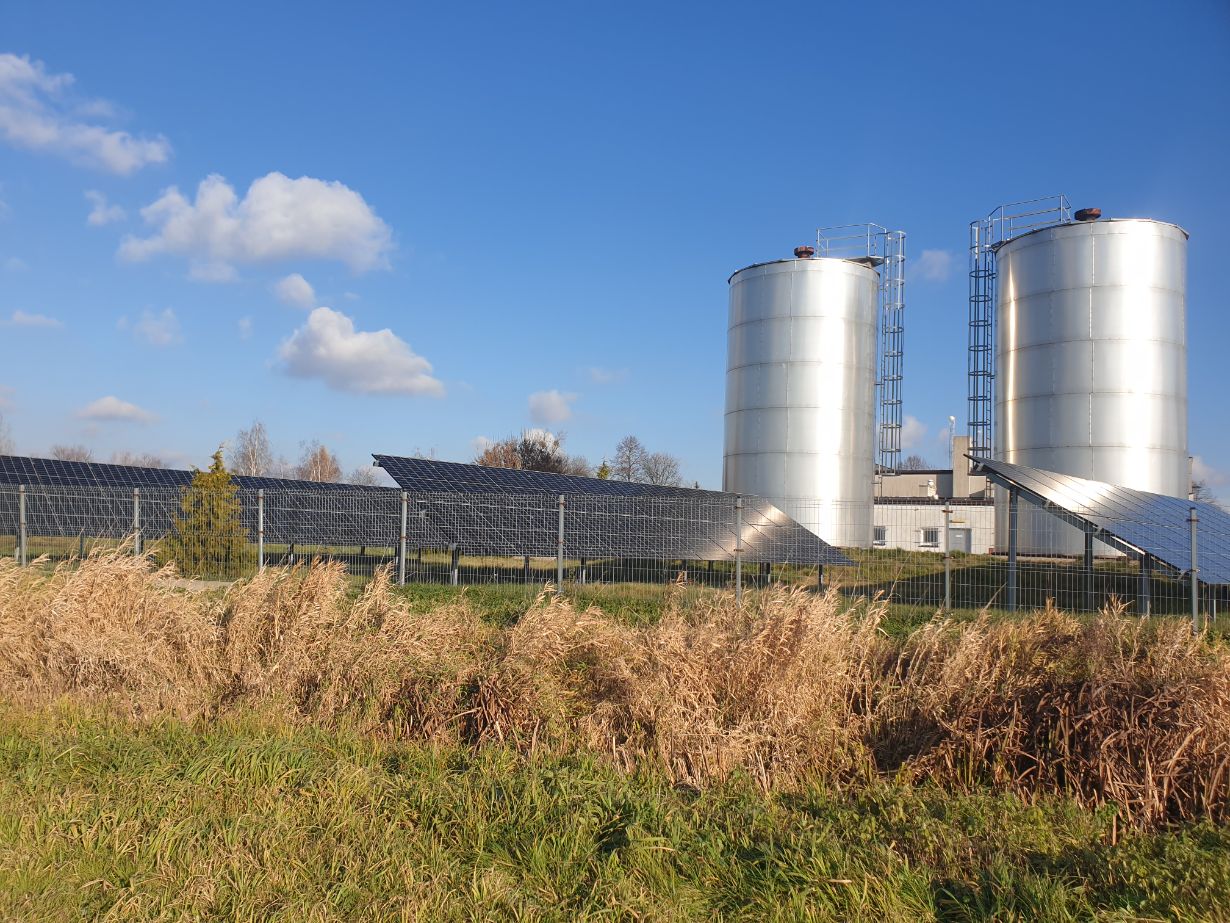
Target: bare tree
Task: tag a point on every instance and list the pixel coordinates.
(542, 451)
(629, 461)
(6, 438)
(533, 450)
(578, 466)
(140, 459)
(251, 454)
(364, 476)
(661, 469)
(914, 463)
(77, 453)
(501, 454)
(318, 464)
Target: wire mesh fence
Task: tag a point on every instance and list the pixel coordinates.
(919, 552)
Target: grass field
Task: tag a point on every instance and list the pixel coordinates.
(298, 747)
(258, 819)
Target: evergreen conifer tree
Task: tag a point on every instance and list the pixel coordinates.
(208, 537)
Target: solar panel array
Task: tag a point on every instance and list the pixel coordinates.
(1153, 523)
(95, 499)
(511, 512)
(484, 511)
(16, 469)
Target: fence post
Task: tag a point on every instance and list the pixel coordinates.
(454, 574)
(559, 549)
(21, 526)
(1089, 594)
(136, 521)
(401, 546)
(260, 529)
(1013, 503)
(819, 578)
(947, 557)
(1192, 519)
(1146, 587)
(739, 550)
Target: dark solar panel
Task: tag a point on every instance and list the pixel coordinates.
(1152, 523)
(508, 511)
(95, 499)
(429, 474)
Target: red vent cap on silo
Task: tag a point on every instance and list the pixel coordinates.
(805, 252)
(1088, 214)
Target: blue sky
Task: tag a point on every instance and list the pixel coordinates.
(544, 200)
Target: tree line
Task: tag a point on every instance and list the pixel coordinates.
(538, 450)
(250, 453)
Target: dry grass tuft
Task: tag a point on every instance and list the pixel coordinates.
(791, 688)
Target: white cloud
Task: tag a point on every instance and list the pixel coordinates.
(15, 264)
(295, 290)
(102, 212)
(22, 319)
(155, 329)
(913, 432)
(602, 376)
(328, 347)
(549, 407)
(112, 408)
(934, 265)
(245, 327)
(277, 219)
(481, 444)
(38, 113)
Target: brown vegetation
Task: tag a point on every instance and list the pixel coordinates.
(792, 687)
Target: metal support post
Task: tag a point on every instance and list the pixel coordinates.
(526, 569)
(581, 575)
(401, 540)
(1013, 537)
(1193, 519)
(22, 537)
(559, 549)
(260, 528)
(947, 557)
(454, 575)
(1144, 605)
(137, 521)
(819, 578)
(767, 569)
(739, 550)
(1090, 604)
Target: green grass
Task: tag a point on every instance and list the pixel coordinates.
(247, 819)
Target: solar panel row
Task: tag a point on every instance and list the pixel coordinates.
(616, 518)
(486, 511)
(1153, 523)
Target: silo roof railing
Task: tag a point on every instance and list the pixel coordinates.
(1135, 522)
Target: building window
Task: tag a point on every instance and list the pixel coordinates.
(929, 538)
(881, 535)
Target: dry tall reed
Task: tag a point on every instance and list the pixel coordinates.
(792, 687)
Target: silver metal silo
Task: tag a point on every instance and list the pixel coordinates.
(801, 390)
(1091, 360)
